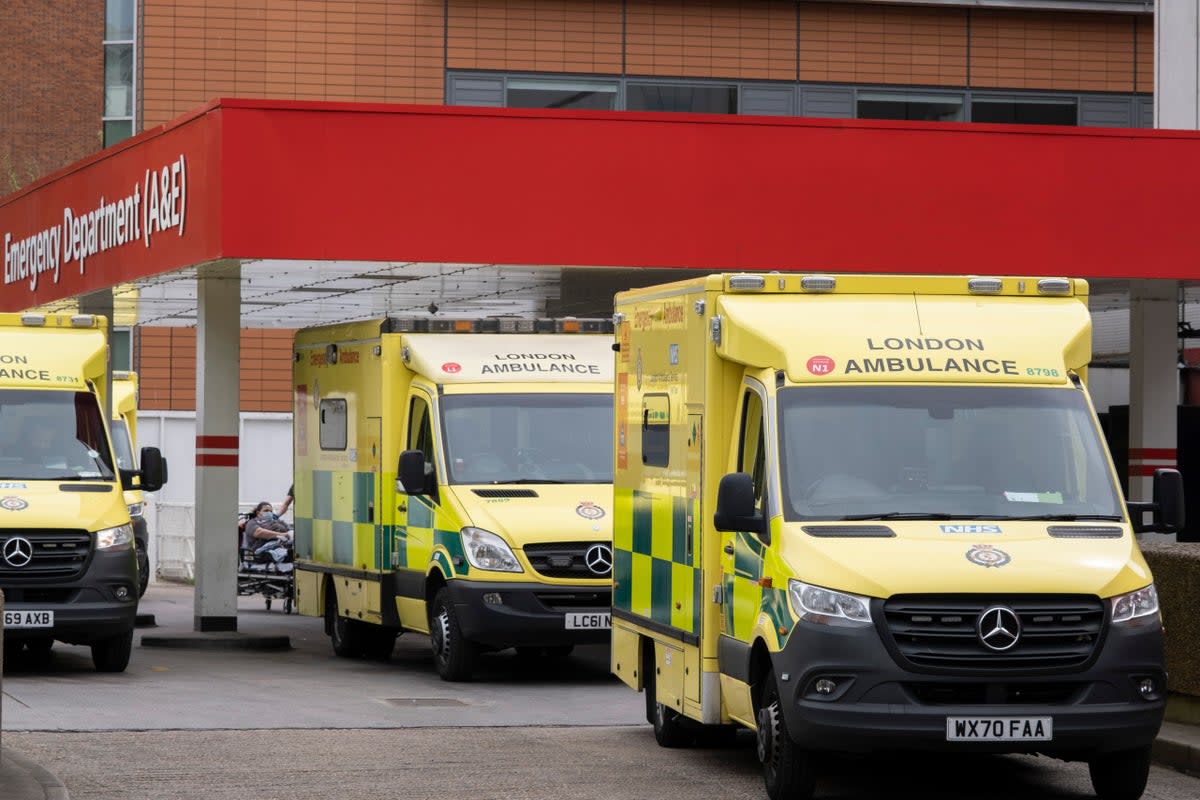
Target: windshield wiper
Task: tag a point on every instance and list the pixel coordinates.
(527, 480)
(904, 515)
(1063, 517)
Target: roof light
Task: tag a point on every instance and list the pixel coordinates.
(985, 285)
(83, 321)
(1054, 286)
(570, 325)
(746, 283)
(35, 320)
(818, 283)
(515, 325)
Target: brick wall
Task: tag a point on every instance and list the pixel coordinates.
(353, 50)
(51, 87)
(165, 360)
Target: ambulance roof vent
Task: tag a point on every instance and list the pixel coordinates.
(985, 286)
(33, 320)
(747, 283)
(818, 283)
(1054, 286)
(83, 321)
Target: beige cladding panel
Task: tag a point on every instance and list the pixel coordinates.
(535, 35)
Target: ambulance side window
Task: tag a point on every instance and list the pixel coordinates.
(420, 428)
(751, 447)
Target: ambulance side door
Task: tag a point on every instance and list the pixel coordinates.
(742, 558)
(415, 513)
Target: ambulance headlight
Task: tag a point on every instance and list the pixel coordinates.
(486, 550)
(1141, 603)
(114, 539)
(827, 607)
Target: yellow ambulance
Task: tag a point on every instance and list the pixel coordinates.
(124, 435)
(68, 563)
(454, 477)
(860, 513)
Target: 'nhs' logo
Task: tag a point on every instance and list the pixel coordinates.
(970, 528)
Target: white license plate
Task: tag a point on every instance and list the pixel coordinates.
(28, 619)
(589, 620)
(999, 729)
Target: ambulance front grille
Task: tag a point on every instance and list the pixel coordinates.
(574, 601)
(51, 553)
(570, 559)
(941, 632)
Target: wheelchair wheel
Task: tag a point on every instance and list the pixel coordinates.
(287, 604)
(268, 604)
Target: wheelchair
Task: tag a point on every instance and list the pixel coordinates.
(267, 570)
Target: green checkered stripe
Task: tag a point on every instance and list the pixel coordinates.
(746, 598)
(655, 569)
(338, 530)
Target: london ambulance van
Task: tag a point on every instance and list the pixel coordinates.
(124, 434)
(68, 564)
(454, 479)
(862, 512)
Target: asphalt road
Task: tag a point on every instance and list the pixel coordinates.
(302, 724)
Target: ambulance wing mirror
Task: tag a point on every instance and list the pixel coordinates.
(153, 472)
(1167, 506)
(735, 506)
(413, 473)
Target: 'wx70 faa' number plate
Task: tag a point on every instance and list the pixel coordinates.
(999, 729)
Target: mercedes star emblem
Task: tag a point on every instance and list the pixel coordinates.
(999, 628)
(599, 559)
(18, 551)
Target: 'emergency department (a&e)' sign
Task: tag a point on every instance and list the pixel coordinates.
(154, 204)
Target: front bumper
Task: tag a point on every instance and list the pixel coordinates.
(86, 610)
(530, 614)
(879, 705)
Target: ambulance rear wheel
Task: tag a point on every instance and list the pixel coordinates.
(380, 643)
(345, 635)
(453, 655)
(670, 727)
(787, 770)
(1120, 776)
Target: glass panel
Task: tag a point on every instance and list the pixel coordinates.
(122, 444)
(525, 93)
(118, 22)
(529, 438)
(667, 97)
(963, 452)
(332, 432)
(656, 430)
(120, 347)
(118, 80)
(117, 130)
(1025, 112)
(905, 105)
(56, 436)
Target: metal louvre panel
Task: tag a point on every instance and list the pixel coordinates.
(562, 559)
(939, 632)
(56, 553)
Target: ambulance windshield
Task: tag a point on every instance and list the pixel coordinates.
(946, 452)
(529, 438)
(52, 435)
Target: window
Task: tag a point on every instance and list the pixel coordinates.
(656, 430)
(420, 430)
(333, 424)
(751, 449)
(908, 105)
(1025, 111)
(120, 346)
(119, 68)
(56, 436)
(704, 99)
(533, 93)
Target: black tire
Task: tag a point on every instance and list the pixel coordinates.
(143, 565)
(345, 635)
(453, 655)
(112, 654)
(287, 604)
(380, 643)
(788, 771)
(1120, 776)
(670, 728)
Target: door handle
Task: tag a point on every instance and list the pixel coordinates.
(402, 508)
(728, 549)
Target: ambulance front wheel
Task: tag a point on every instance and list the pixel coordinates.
(453, 655)
(787, 770)
(1120, 776)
